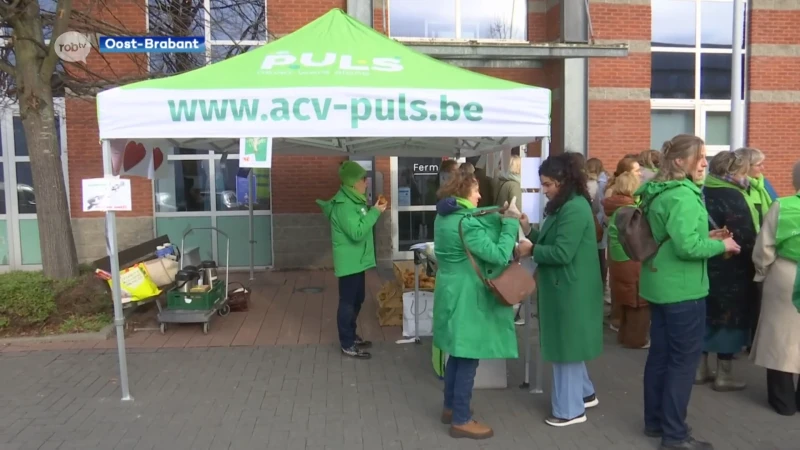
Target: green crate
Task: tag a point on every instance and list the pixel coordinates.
(199, 300)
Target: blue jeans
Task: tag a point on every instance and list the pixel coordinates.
(676, 343)
(352, 291)
(459, 378)
(571, 384)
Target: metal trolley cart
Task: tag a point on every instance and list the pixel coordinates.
(185, 305)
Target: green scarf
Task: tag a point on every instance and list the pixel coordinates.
(464, 203)
(760, 194)
(713, 182)
(354, 194)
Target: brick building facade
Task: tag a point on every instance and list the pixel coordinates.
(669, 77)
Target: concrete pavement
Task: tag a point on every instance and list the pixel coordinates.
(307, 397)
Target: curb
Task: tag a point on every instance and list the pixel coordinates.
(106, 332)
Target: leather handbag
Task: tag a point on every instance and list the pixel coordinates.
(512, 286)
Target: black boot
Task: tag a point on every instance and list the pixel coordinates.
(355, 352)
(361, 343)
(689, 444)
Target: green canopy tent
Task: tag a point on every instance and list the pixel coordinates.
(333, 87)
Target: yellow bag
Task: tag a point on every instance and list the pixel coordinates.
(135, 282)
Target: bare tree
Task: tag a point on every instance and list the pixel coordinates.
(500, 29)
(32, 75)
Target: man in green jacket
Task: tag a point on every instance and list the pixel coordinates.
(352, 221)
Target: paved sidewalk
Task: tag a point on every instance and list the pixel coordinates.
(307, 397)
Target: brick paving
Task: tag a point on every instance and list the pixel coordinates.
(281, 313)
(307, 397)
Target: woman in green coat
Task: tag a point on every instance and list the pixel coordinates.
(569, 286)
(469, 323)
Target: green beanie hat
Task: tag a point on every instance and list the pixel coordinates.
(351, 172)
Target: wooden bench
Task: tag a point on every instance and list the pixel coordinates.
(130, 257)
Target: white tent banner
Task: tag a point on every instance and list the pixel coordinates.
(343, 112)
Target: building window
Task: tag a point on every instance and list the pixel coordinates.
(231, 27)
(26, 198)
(459, 19)
(690, 91)
(417, 183)
(198, 181)
(202, 190)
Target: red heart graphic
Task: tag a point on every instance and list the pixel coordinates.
(134, 154)
(158, 158)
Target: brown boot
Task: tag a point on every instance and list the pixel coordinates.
(447, 415)
(471, 430)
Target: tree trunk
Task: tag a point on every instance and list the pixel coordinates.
(59, 258)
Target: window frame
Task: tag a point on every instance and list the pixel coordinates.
(457, 26)
(9, 158)
(207, 28)
(697, 104)
(211, 158)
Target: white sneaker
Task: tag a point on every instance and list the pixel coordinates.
(613, 328)
(556, 422)
(519, 321)
(646, 346)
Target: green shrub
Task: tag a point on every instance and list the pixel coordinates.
(27, 298)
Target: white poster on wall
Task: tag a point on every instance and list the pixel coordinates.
(530, 173)
(139, 159)
(404, 196)
(255, 152)
(106, 194)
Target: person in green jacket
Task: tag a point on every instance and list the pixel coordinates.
(758, 191)
(776, 257)
(570, 289)
(675, 283)
(758, 195)
(352, 221)
(469, 323)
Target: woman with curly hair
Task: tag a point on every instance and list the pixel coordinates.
(569, 287)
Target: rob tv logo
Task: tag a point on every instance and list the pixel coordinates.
(310, 60)
(73, 47)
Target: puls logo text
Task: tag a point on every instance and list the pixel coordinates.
(341, 62)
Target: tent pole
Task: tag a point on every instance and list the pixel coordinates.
(537, 385)
(250, 194)
(116, 290)
(526, 313)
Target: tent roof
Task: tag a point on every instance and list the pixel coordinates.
(334, 85)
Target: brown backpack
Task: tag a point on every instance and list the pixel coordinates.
(635, 235)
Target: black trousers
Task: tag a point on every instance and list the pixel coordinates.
(352, 290)
(783, 393)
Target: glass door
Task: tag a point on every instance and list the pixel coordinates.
(202, 190)
(20, 248)
(414, 184)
